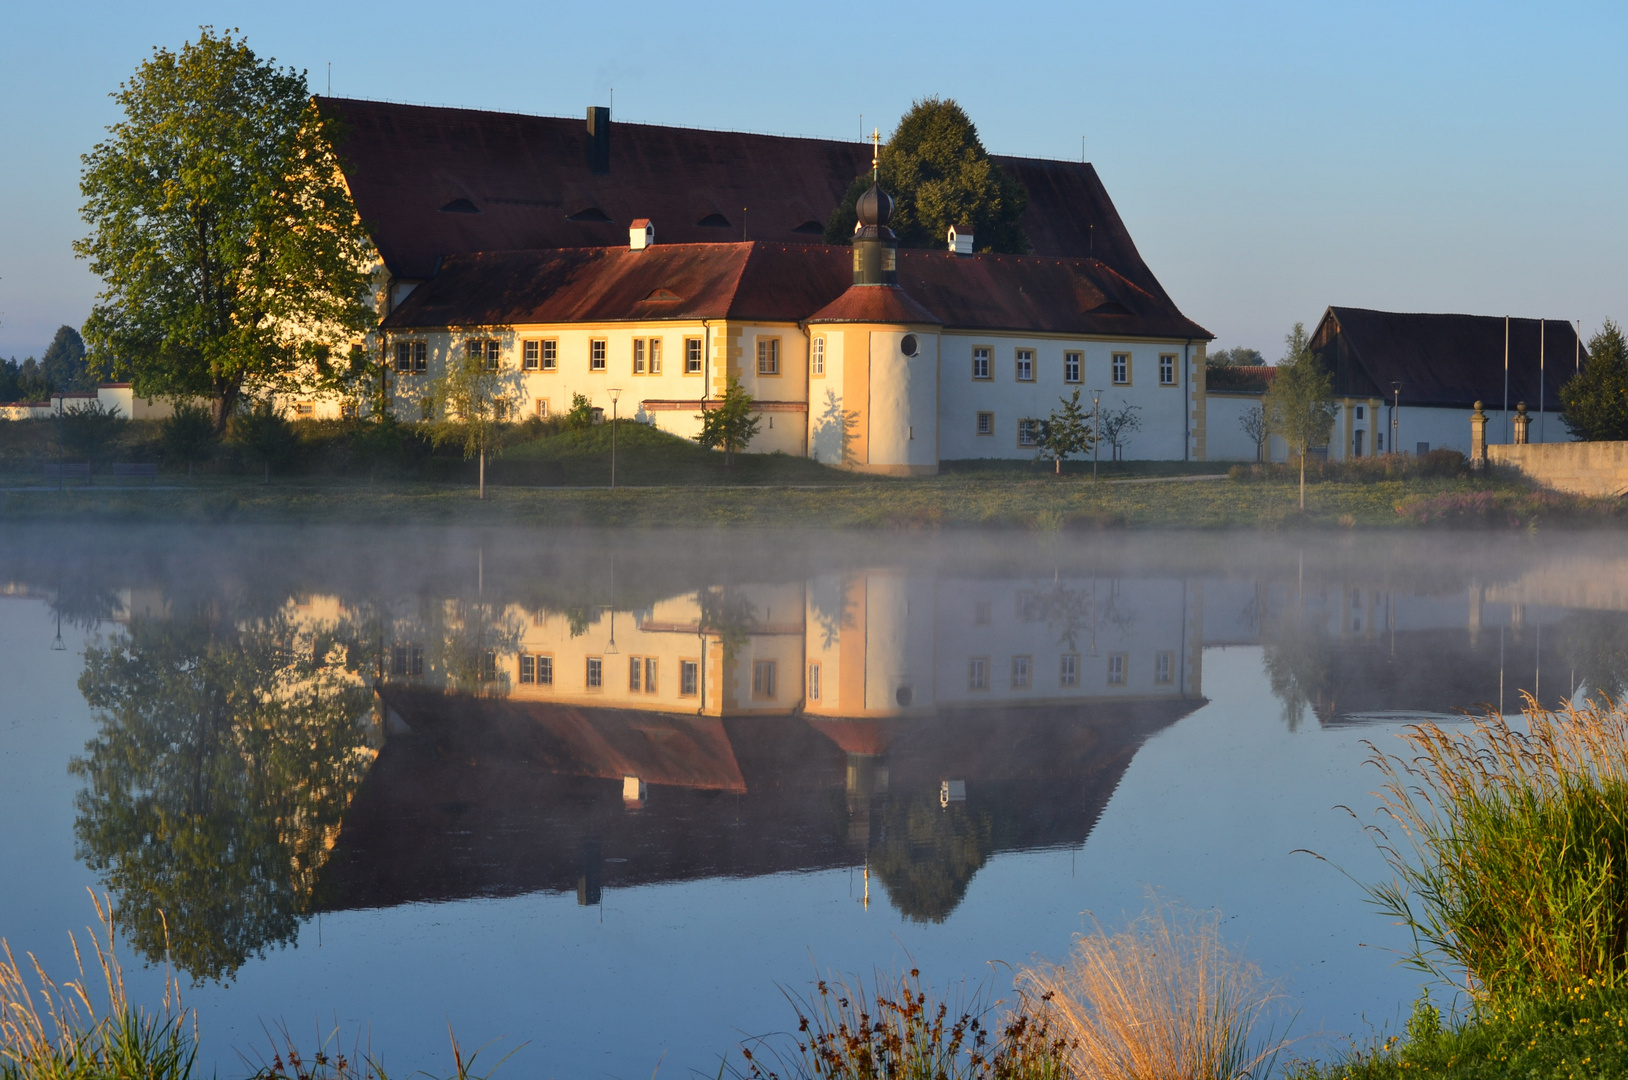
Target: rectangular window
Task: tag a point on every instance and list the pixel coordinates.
(596, 354)
(980, 362)
(304, 410)
(1116, 669)
(1068, 670)
(426, 408)
(1028, 432)
(689, 675)
(1025, 365)
(1163, 664)
(986, 423)
(763, 677)
(545, 671)
(816, 359)
(398, 660)
(655, 356)
(404, 356)
(1122, 369)
(491, 356)
(542, 408)
(551, 355)
(635, 669)
(978, 673)
(1359, 412)
(692, 356)
(596, 673)
(768, 356)
(650, 674)
(638, 356)
(1073, 365)
(416, 660)
(1022, 667)
(421, 357)
(528, 669)
(1167, 369)
(488, 666)
(813, 682)
(982, 613)
(530, 355)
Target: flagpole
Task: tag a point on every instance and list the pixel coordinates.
(1541, 343)
(1507, 435)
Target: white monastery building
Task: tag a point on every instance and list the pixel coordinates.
(645, 272)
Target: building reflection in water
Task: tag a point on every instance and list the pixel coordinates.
(911, 725)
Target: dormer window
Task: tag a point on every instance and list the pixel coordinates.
(588, 213)
(460, 206)
(714, 221)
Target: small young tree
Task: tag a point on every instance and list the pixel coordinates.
(88, 430)
(470, 391)
(1117, 427)
(1254, 424)
(265, 435)
(731, 425)
(1594, 402)
(1067, 431)
(581, 416)
(1300, 403)
(188, 434)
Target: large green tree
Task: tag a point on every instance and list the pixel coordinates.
(1594, 402)
(940, 175)
(231, 257)
(1299, 405)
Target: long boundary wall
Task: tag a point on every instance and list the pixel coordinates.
(1581, 468)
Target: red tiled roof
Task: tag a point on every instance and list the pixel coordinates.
(874, 304)
(512, 182)
(1239, 378)
(782, 283)
(1448, 361)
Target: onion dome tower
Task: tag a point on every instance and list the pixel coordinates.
(876, 248)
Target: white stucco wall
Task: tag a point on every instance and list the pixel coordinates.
(903, 399)
(1165, 433)
(1224, 438)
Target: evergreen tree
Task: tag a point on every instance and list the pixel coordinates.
(940, 175)
(64, 362)
(731, 425)
(1299, 406)
(1594, 402)
(232, 261)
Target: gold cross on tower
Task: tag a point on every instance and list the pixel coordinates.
(876, 153)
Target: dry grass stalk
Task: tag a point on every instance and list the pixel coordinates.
(1162, 999)
(56, 1032)
(1515, 866)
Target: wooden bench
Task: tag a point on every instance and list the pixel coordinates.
(53, 471)
(134, 470)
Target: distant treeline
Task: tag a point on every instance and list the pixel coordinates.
(62, 368)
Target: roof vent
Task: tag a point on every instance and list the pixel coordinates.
(641, 234)
(598, 140)
(714, 221)
(460, 206)
(588, 213)
(810, 226)
(961, 239)
(662, 296)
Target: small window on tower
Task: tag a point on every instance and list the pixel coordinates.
(816, 360)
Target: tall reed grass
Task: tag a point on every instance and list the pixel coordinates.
(1163, 999)
(1512, 872)
(902, 1030)
(53, 1032)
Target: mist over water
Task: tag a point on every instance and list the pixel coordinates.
(606, 793)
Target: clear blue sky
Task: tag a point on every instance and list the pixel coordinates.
(1269, 159)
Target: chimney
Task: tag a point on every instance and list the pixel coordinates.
(598, 140)
(961, 239)
(641, 234)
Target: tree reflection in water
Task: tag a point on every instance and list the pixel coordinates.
(1300, 664)
(227, 753)
(929, 852)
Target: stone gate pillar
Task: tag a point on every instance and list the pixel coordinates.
(1523, 424)
(1478, 438)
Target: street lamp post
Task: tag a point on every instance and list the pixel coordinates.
(1396, 404)
(1096, 406)
(615, 393)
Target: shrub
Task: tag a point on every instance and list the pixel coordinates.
(264, 435)
(1165, 997)
(89, 429)
(1514, 865)
(902, 1031)
(188, 434)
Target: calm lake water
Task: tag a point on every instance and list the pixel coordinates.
(607, 794)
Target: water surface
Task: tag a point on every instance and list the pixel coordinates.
(607, 794)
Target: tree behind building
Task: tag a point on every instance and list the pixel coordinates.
(1594, 402)
(939, 174)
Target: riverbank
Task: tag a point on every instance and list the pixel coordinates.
(951, 500)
